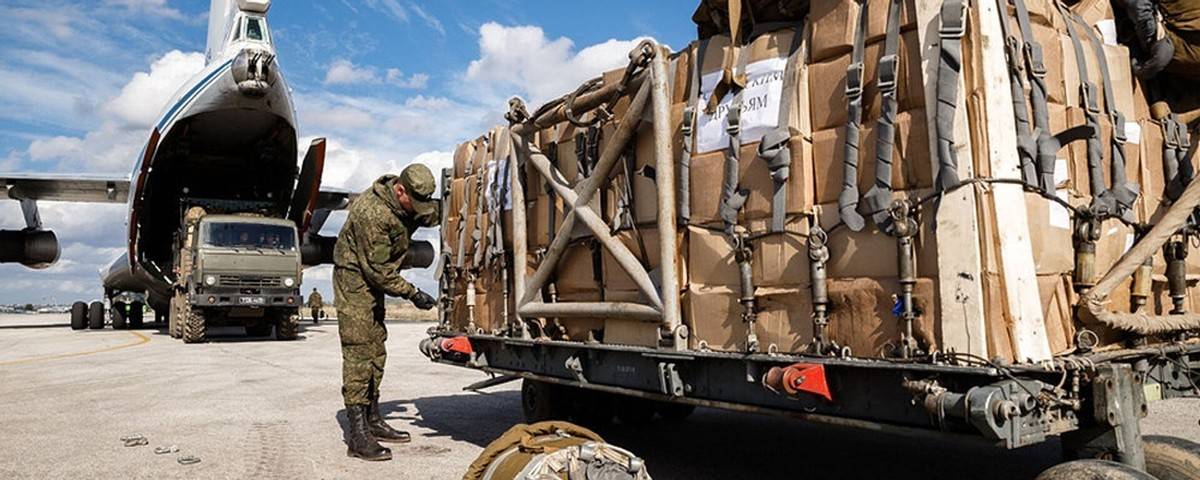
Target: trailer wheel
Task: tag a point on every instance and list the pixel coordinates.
(79, 316)
(1171, 458)
(1093, 470)
(634, 410)
(541, 401)
(194, 326)
(118, 315)
(675, 412)
(137, 312)
(96, 316)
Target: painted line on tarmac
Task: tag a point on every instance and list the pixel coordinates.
(141, 339)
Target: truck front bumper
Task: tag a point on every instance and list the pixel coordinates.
(237, 299)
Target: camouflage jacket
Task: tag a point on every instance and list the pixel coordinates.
(315, 300)
(375, 239)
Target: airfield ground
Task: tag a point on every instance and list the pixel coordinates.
(253, 408)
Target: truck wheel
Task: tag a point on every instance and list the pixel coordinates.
(634, 410)
(541, 401)
(96, 315)
(194, 327)
(675, 412)
(1093, 470)
(288, 327)
(118, 315)
(175, 316)
(79, 316)
(137, 311)
(1170, 458)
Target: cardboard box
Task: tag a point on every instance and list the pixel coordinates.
(779, 259)
(1058, 300)
(707, 175)
(537, 220)
(861, 315)
(576, 271)
(911, 157)
(1079, 153)
(625, 331)
(827, 84)
(581, 329)
(1050, 235)
(615, 278)
(834, 23)
(462, 156)
(1119, 69)
(714, 319)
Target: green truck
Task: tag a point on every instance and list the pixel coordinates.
(237, 270)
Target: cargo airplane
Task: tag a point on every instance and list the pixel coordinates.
(226, 142)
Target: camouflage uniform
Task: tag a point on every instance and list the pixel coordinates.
(315, 304)
(367, 259)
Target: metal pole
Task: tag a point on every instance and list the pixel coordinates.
(520, 240)
(665, 178)
(583, 103)
(624, 310)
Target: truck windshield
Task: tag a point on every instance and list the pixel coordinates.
(248, 235)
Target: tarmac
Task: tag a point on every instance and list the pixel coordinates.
(263, 409)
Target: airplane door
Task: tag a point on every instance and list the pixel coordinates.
(304, 199)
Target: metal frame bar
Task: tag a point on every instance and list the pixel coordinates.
(664, 302)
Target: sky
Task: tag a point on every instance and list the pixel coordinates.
(387, 82)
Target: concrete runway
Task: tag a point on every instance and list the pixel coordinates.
(265, 409)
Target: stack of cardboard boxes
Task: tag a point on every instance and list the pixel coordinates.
(862, 268)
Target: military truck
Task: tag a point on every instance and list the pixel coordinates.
(237, 270)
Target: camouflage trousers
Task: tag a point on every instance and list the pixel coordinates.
(363, 334)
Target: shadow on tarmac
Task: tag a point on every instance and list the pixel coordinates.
(717, 444)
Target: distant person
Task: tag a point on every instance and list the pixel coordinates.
(370, 249)
(316, 304)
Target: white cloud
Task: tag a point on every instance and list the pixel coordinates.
(154, 7)
(430, 20)
(142, 99)
(415, 81)
(345, 72)
(522, 60)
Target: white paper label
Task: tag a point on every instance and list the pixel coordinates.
(495, 173)
(1133, 133)
(1108, 31)
(1058, 215)
(760, 105)
(1128, 242)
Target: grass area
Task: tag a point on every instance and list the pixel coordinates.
(397, 311)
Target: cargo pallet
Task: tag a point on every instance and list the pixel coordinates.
(1093, 398)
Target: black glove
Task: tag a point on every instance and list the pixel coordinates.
(423, 301)
(1156, 60)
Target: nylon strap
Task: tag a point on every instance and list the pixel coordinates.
(477, 233)
(1123, 191)
(500, 182)
(1015, 51)
(878, 199)
(463, 230)
(1035, 69)
(775, 148)
(1103, 203)
(1176, 165)
(953, 26)
(733, 198)
(688, 129)
(848, 199)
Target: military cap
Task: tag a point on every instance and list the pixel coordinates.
(418, 182)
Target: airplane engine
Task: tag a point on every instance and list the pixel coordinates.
(32, 248)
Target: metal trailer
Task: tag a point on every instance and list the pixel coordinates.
(1092, 399)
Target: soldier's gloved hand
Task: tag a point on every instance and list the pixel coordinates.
(1160, 54)
(423, 301)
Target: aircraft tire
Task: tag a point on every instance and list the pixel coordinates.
(137, 312)
(79, 316)
(119, 316)
(194, 328)
(288, 327)
(96, 316)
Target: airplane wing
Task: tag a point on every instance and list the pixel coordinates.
(334, 199)
(64, 188)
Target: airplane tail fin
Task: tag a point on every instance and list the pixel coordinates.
(220, 13)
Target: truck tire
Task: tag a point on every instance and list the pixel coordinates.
(675, 412)
(79, 316)
(1093, 470)
(175, 316)
(1171, 458)
(137, 312)
(118, 315)
(194, 327)
(541, 401)
(287, 327)
(96, 316)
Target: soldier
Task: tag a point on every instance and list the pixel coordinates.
(315, 304)
(370, 249)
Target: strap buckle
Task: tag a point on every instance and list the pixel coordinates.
(954, 16)
(887, 73)
(1035, 59)
(689, 121)
(733, 120)
(854, 80)
(1118, 126)
(1170, 133)
(1088, 91)
(1011, 47)
(1185, 137)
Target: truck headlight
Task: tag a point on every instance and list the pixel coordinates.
(289, 281)
(210, 280)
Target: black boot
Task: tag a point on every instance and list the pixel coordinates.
(361, 444)
(380, 429)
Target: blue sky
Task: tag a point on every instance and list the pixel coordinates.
(387, 81)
